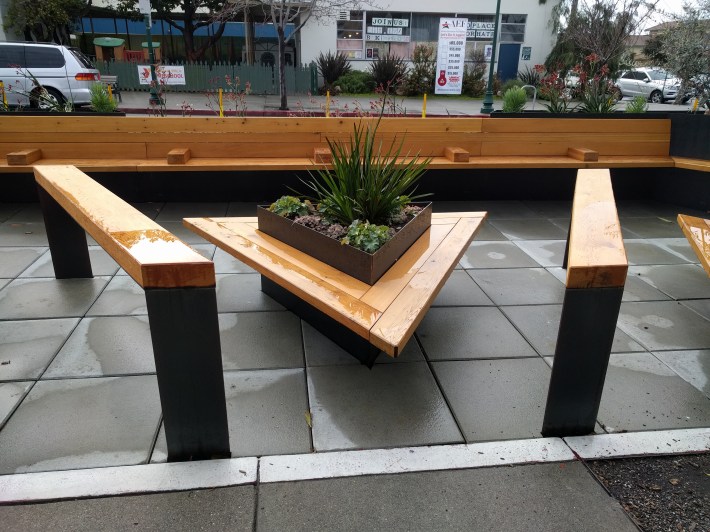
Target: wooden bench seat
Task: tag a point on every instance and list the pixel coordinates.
(596, 265)
(383, 315)
(180, 294)
(699, 165)
(697, 231)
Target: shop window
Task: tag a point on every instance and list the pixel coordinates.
(350, 34)
(512, 28)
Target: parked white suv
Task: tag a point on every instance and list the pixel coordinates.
(65, 73)
(656, 84)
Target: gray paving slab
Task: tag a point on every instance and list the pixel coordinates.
(206, 250)
(183, 233)
(550, 208)
(495, 255)
(701, 306)
(520, 286)
(8, 209)
(470, 333)
(266, 411)
(23, 234)
(216, 509)
(15, 260)
(122, 296)
(101, 264)
(148, 208)
(535, 497)
(488, 232)
(176, 211)
(680, 281)
(651, 227)
(260, 340)
(11, 393)
(49, 298)
(390, 405)
(105, 346)
(496, 399)
(677, 246)
(242, 293)
(29, 213)
(546, 253)
(225, 263)
(82, 423)
(642, 251)
(27, 347)
(321, 351)
(693, 366)
(160, 449)
(637, 289)
(664, 325)
(531, 229)
(461, 290)
(540, 325)
(241, 208)
(641, 393)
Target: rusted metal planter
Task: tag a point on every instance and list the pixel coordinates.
(367, 267)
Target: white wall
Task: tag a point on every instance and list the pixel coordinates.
(320, 35)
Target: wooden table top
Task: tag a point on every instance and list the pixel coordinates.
(386, 313)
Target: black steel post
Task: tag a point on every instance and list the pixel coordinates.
(188, 361)
(584, 343)
(67, 240)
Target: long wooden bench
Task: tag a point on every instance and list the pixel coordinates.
(596, 265)
(697, 231)
(179, 288)
(153, 144)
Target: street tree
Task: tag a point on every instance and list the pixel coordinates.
(684, 47)
(282, 13)
(186, 16)
(43, 20)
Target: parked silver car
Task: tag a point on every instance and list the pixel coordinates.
(65, 73)
(656, 84)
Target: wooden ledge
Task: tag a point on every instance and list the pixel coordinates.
(179, 156)
(697, 231)
(596, 257)
(457, 155)
(24, 157)
(583, 154)
(699, 165)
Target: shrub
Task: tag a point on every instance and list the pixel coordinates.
(511, 84)
(101, 102)
(366, 236)
(388, 70)
(514, 100)
(474, 82)
(289, 206)
(420, 79)
(597, 97)
(637, 105)
(332, 66)
(529, 76)
(356, 82)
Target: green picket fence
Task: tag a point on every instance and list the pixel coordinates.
(202, 77)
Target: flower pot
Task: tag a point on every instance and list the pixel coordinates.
(367, 267)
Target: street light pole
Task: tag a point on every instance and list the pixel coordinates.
(154, 98)
(488, 98)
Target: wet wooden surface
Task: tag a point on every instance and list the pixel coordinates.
(697, 231)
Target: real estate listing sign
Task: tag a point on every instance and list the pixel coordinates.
(449, 60)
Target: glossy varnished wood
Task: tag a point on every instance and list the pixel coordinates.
(385, 313)
(152, 256)
(596, 255)
(697, 231)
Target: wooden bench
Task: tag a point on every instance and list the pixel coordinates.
(596, 265)
(149, 144)
(362, 319)
(697, 231)
(179, 288)
(112, 82)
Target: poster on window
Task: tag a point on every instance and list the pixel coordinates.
(451, 54)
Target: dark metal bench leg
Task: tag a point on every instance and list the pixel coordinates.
(584, 343)
(186, 346)
(67, 240)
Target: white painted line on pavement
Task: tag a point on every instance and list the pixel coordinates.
(410, 459)
(640, 443)
(125, 480)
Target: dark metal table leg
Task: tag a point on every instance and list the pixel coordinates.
(188, 361)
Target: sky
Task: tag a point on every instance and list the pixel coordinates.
(667, 7)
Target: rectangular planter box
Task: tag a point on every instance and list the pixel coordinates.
(367, 267)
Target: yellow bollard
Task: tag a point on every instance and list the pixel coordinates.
(327, 104)
(110, 92)
(424, 107)
(221, 110)
(4, 96)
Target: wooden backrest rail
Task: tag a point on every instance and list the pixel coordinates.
(596, 255)
(152, 256)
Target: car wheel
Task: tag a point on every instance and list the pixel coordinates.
(51, 99)
(656, 97)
